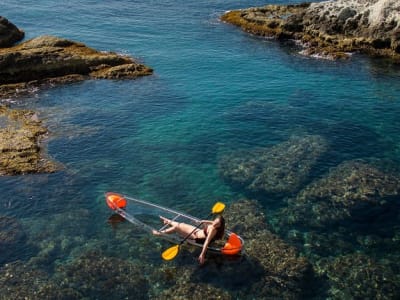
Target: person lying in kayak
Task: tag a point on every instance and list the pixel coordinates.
(212, 230)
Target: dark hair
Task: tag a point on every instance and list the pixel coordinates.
(221, 229)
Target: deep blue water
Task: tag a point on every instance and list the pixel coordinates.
(215, 89)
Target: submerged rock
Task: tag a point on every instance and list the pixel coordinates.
(329, 28)
(11, 237)
(355, 190)
(269, 269)
(283, 273)
(183, 290)
(357, 276)
(20, 281)
(9, 33)
(20, 134)
(96, 276)
(280, 169)
(49, 59)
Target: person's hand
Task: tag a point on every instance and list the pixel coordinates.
(202, 259)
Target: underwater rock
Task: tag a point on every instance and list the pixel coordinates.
(354, 190)
(281, 169)
(20, 134)
(328, 29)
(183, 290)
(96, 276)
(357, 276)
(247, 217)
(49, 59)
(284, 274)
(11, 237)
(9, 33)
(19, 281)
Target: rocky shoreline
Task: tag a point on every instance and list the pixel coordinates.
(39, 63)
(49, 59)
(329, 29)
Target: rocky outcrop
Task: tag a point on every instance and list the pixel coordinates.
(39, 62)
(9, 33)
(329, 28)
(52, 59)
(20, 134)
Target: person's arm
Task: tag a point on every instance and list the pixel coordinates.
(212, 231)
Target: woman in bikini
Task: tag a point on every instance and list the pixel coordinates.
(212, 230)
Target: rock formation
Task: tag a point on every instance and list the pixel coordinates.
(329, 28)
(9, 33)
(20, 134)
(51, 59)
(12, 237)
(354, 190)
(41, 61)
(282, 168)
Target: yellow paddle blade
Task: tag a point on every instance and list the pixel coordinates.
(218, 208)
(170, 253)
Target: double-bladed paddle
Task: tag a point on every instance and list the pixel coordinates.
(173, 251)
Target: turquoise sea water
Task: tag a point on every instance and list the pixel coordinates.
(215, 89)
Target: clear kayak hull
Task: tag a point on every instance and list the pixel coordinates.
(146, 216)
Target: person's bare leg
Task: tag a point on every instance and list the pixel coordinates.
(182, 229)
(173, 225)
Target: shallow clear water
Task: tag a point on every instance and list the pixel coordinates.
(215, 89)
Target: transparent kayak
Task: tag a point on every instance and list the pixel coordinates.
(146, 216)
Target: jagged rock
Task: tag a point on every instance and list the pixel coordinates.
(280, 169)
(9, 33)
(329, 28)
(51, 59)
(20, 134)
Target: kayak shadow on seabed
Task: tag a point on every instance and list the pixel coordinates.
(231, 273)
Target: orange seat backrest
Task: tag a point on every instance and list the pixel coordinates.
(115, 201)
(233, 246)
